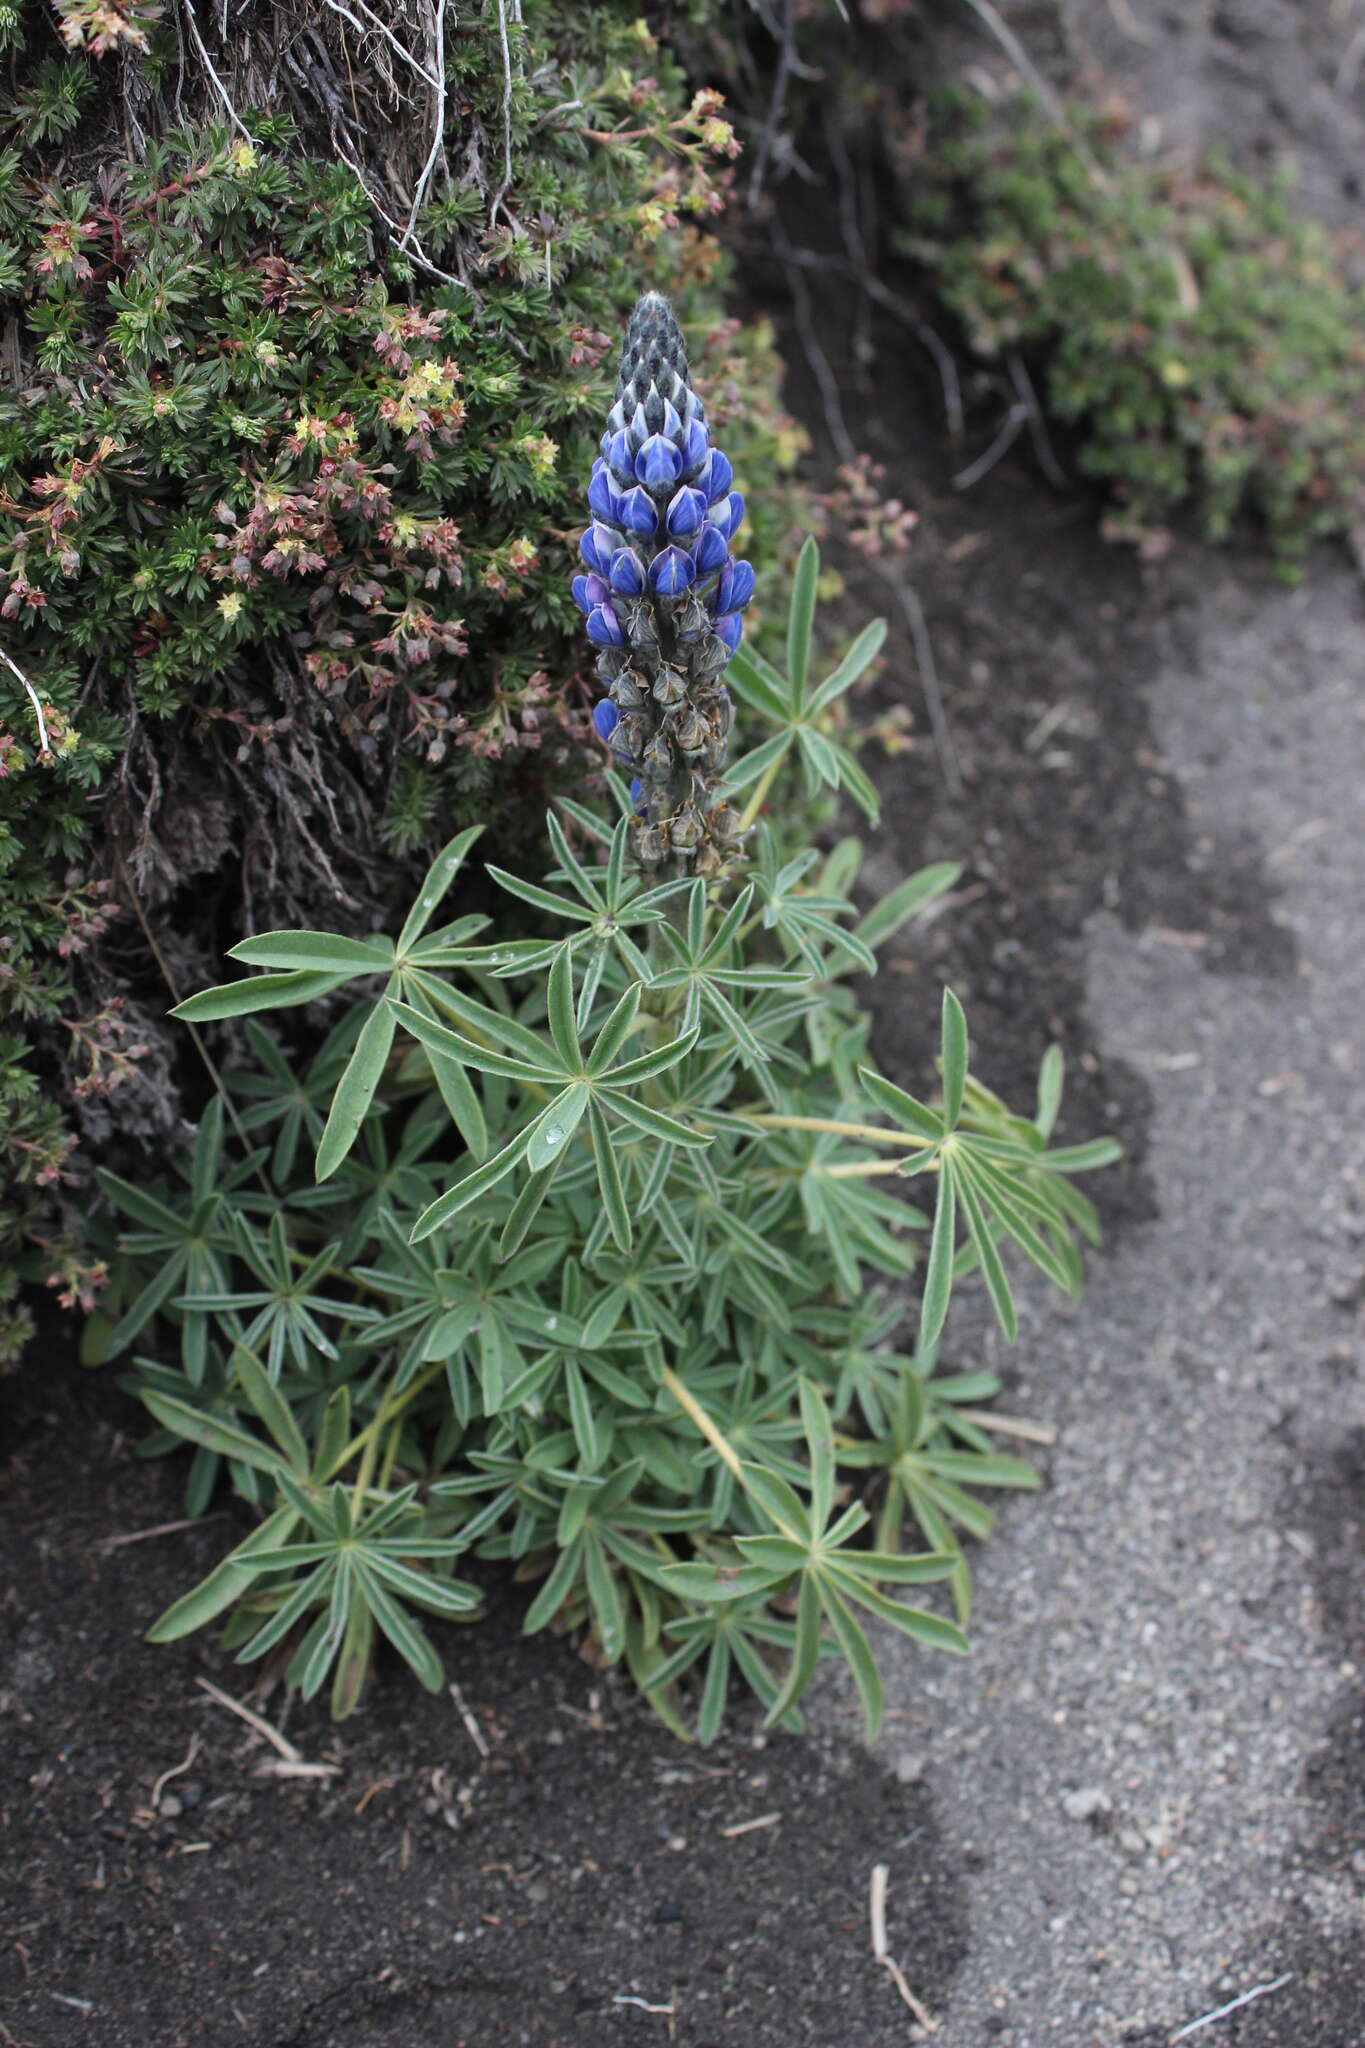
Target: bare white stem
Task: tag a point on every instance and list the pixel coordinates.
(374, 25)
(438, 123)
(15, 670)
(218, 84)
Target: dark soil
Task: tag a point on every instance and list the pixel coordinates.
(424, 1896)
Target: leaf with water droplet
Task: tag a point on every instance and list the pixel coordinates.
(555, 1126)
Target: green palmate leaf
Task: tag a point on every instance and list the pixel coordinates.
(821, 755)
(820, 1445)
(439, 877)
(407, 1638)
(905, 901)
(758, 684)
(560, 1007)
(806, 1654)
(993, 1272)
(318, 952)
(356, 1090)
(851, 776)
(954, 1058)
(225, 1583)
(609, 1178)
(750, 766)
(861, 1662)
(257, 992)
(1050, 1078)
(1082, 1158)
(938, 1276)
(212, 1433)
(853, 664)
(931, 1629)
(274, 1411)
(469, 1189)
(547, 1140)
(911, 1114)
(800, 620)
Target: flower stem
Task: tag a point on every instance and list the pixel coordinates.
(869, 1133)
(760, 795)
(366, 1440)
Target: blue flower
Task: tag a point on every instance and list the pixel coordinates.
(605, 717)
(597, 547)
(695, 447)
(717, 477)
(731, 630)
(601, 494)
(672, 571)
(686, 511)
(736, 586)
(637, 512)
(710, 550)
(727, 515)
(658, 464)
(627, 577)
(603, 627)
(620, 458)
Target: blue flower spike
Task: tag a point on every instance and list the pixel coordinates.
(660, 494)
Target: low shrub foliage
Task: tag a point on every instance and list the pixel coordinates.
(1206, 340)
(586, 1252)
(283, 495)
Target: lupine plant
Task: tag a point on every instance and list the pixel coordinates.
(586, 1252)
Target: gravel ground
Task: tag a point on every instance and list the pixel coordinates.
(1150, 1763)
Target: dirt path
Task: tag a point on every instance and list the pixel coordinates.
(1152, 1764)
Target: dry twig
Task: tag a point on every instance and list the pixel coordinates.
(1233, 2005)
(278, 1742)
(472, 1728)
(877, 1912)
(176, 1770)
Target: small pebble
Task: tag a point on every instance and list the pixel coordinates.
(1090, 1803)
(910, 1768)
(170, 1807)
